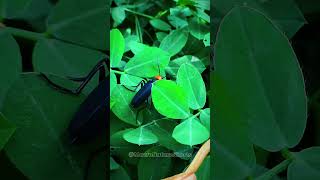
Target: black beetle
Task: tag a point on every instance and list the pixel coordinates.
(91, 118)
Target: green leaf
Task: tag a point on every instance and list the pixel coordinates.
(305, 165)
(42, 121)
(161, 35)
(191, 81)
(10, 63)
(117, 45)
(6, 130)
(130, 40)
(146, 63)
(170, 100)
(113, 164)
(163, 130)
(129, 80)
(121, 108)
(82, 22)
(250, 67)
(140, 136)
(67, 60)
(159, 24)
(198, 28)
(174, 42)
(137, 47)
(205, 118)
(232, 146)
(190, 132)
(119, 174)
(113, 82)
(206, 40)
(154, 167)
(118, 15)
(27, 9)
(284, 13)
(175, 64)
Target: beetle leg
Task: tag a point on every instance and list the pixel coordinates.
(141, 84)
(99, 67)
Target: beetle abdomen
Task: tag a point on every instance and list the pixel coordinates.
(142, 95)
(91, 118)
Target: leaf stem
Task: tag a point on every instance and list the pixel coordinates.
(25, 34)
(117, 72)
(275, 170)
(287, 154)
(140, 14)
(152, 122)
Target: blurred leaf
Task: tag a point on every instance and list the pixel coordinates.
(232, 146)
(117, 45)
(170, 100)
(118, 14)
(191, 81)
(82, 22)
(154, 168)
(43, 116)
(206, 40)
(66, 60)
(252, 71)
(6, 131)
(305, 165)
(140, 136)
(119, 174)
(10, 63)
(159, 24)
(198, 28)
(26, 9)
(284, 13)
(190, 132)
(113, 164)
(161, 35)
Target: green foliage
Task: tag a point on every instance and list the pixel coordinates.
(259, 96)
(64, 38)
(158, 42)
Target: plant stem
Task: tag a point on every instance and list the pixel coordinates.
(140, 14)
(275, 170)
(117, 72)
(25, 34)
(287, 154)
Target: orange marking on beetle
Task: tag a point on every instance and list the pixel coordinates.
(158, 77)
